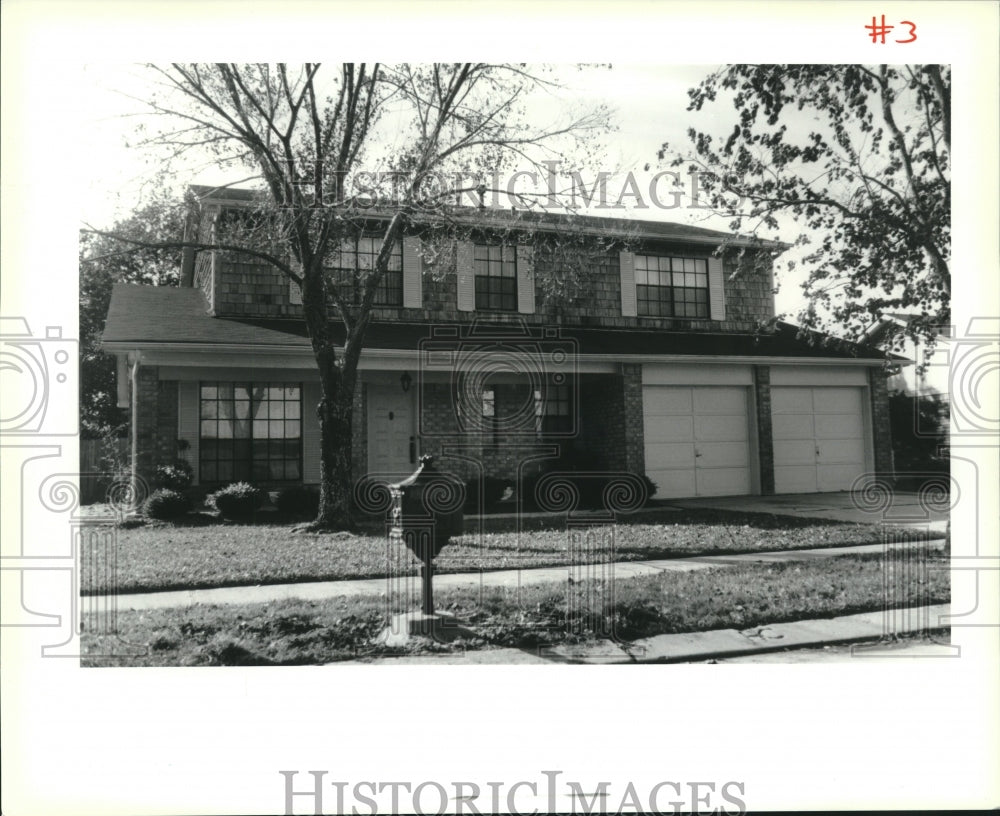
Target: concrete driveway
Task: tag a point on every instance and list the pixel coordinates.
(899, 508)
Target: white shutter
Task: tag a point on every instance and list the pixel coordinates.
(466, 292)
(311, 393)
(626, 269)
(716, 289)
(188, 422)
(525, 279)
(294, 293)
(413, 288)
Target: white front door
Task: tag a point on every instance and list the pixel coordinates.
(391, 430)
(819, 439)
(697, 440)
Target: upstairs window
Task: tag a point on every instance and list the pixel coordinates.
(495, 270)
(355, 259)
(670, 286)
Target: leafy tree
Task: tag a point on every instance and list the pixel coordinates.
(859, 157)
(419, 135)
(103, 263)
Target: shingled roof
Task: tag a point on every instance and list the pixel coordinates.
(178, 317)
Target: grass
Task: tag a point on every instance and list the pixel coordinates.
(204, 552)
(302, 632)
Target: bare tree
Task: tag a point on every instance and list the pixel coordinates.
(335, 149)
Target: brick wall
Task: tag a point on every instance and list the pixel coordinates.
(147, 422)
(635, 450)
(166, 422)
(245, 287)
(881, 425)
(765, 434)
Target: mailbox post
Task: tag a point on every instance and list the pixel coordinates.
(426, 512)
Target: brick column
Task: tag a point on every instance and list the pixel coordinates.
(635, 450)
(765, 435)
(147, 421)
(881, 426)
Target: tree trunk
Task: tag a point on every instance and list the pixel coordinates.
(336, 439)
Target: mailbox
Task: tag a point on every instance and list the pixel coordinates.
(426, 511)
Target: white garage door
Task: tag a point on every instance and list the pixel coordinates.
(696, 439)
(819, 438)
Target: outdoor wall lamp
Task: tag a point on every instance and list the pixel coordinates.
(405, 381)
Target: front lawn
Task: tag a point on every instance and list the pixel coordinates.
(303, 632)
(209, 553)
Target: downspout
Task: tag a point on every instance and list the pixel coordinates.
(134, 476)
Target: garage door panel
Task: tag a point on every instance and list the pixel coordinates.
(841, 452)
(666, 401)
(720, 428)
(722, 454)
(837, 400)
(795, 479)
(672, 484)
(838, 426)
(723, 482)
(794, 452)
(719, 401)
(819, 438)
(670, 429)
(668, 455)
(791, 400)
(794, 426)
(713, 418)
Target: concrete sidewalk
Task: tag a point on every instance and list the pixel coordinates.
(320, 590)
(864, 628)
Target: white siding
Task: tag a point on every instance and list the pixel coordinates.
(525, 280)
(716, 289)
(626, 268)
(413, 284)
(687, 374)
(466, 292)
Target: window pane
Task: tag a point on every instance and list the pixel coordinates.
(292, 470)
(209, 410)
(260, 470)
(241, 428)
(209, 429)
(640, 275)
(275, 429)
(260, 429)
(225, 391)
(277, 469)
(208, 471)
(209, 392)
(292, 429)
(292, 410)
(225, 429)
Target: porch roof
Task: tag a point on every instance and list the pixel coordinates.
(177, 317)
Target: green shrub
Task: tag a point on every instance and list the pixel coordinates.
(166, 504)
(298, 500)
(239, 500)
(177, 476)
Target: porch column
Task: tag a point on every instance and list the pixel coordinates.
(881, 427)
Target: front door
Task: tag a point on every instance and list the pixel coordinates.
(391, 430)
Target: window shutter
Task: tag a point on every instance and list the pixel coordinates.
(626, 268)
(525, 279)
(413, 267)
(466, 292)
(716, 289)
(188, 423)
(311, 394)
(294, 293)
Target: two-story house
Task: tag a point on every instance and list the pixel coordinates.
(654, 365)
